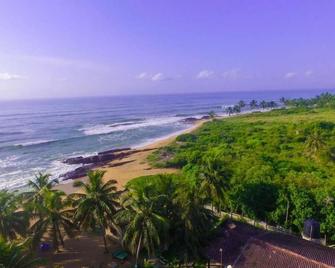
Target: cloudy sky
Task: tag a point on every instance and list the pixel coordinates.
(67, 48)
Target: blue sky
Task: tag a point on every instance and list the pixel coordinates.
(69, 48)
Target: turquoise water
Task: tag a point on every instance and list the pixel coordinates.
(36, 135)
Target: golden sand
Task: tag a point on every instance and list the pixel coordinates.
(133, 166)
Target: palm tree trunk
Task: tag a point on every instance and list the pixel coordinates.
(138, 250)
(55, 238)
(104, 237)
(60, 236)
(287, 210)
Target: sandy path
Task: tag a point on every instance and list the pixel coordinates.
(133, 166)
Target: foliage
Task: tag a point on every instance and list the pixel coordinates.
(16, 255)
(96, 205)
(268, 176)
(53, 218)
(13, 220)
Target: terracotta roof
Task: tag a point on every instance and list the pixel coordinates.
(246, 246)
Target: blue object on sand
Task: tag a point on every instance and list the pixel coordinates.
(120, 254)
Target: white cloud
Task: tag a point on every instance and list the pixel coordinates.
(158, 77)
(231, 74)
(290, 75)
(309, 73)
(153, 77)
(8, 76)
(143, 75)
(205, 74)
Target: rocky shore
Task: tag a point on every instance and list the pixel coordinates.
(103, 158)
(90, 162)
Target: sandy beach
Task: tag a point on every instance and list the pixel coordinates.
(133, 166)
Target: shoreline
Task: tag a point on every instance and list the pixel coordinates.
(135, 165)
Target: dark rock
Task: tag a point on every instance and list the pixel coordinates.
(190, 120)
(205, 117)
(77, 173)
(114, 151)
(73, 160)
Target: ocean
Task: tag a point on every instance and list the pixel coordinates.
(36, 135)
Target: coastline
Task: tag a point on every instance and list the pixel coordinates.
(135, 165)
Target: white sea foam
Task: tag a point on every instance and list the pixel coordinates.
(36, 142)
(105, 129)
(9, 161)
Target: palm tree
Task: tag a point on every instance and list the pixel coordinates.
(53, 218)
(14, 255)
(229, 110)
(212, 114)
(144, 227)
(13, 220)
(253, 104)
(241, 104)
(96, 204)
(283, 100)
(314, 143)
(263, 104)
(36, 186)
(194, 218)
(272, 104)
(212, 181)
(237, 109)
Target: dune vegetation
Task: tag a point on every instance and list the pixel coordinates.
(276, 166)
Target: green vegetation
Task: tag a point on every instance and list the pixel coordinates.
(96, 205)
(276, 166)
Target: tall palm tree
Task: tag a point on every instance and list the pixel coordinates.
(41, 181)
(237, 109)
(212, 179)
(53, 218)
(229, 110)
(96, 204)
(13, 220)
(194, 218)
(283, 100)
(314, 143)
(272, 104)
(144, 227)
(241, 103)
(253, 104)
(263, 104)
(14, 255)
(212, 115)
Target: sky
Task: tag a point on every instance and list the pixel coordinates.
(70, 48)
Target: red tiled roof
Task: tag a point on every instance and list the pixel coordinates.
(247, 246)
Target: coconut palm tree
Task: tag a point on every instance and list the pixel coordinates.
(263, 104)
(96, 204)
(41, 181)
(212, 115)
(144, 227)
(53, 218)
(13, 220)
(229, 110)
(14, 255)
(283, 100)
(314, 143)
(195, 220)
(213, 179)
(272, 104)
(237, 109)
(253, 104)
(241, 103)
